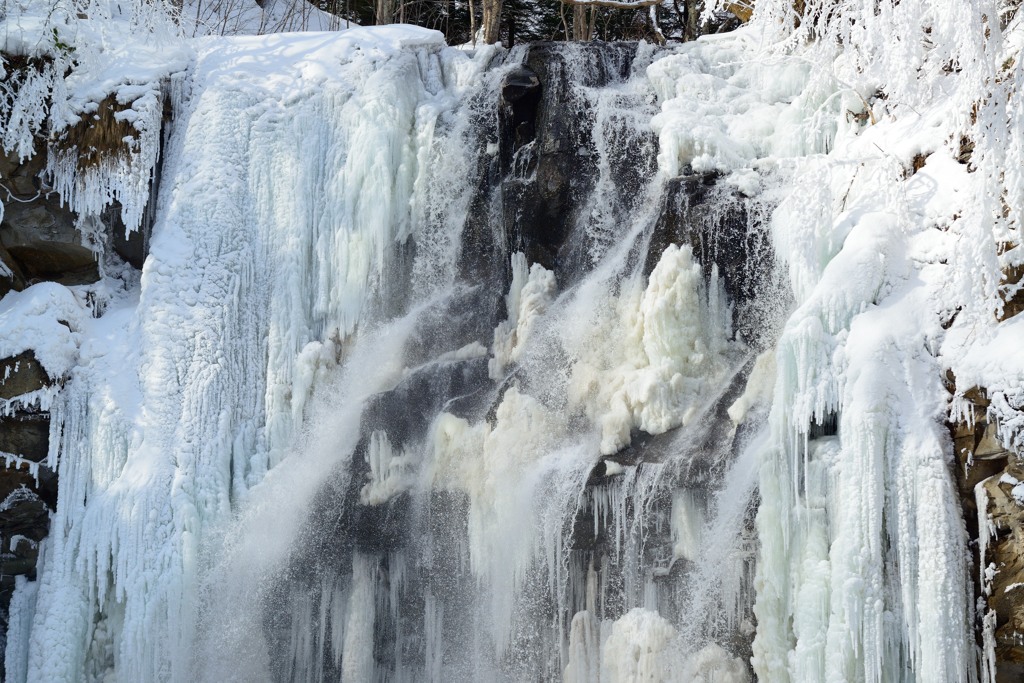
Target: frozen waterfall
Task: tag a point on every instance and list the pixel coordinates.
(491, 365)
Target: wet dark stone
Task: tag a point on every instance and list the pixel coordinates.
(130, 246)
(518, 84)
(723, 229)
(405, 412)
(544, 197)
(51, 260)
(26, 435)
(11, 275)
(21, 374)
(44, 486)
(340, 522)
(24, 513)
(536, 185)
(38, 232)
(520, 97)
(469, 314)
(39, 238)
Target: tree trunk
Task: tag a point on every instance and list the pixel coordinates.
(384, 12)
(582, 24)
(492, 21)
(692, 28)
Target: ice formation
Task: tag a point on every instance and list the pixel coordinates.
(565, 490)
(531, 291)
(184, 399)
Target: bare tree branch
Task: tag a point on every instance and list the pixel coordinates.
(614, 4)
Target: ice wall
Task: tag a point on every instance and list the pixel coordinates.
(287, 196)
(427, 366)
(864, 565)
(458, 367)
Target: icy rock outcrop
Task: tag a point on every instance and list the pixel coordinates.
(552, 155)
(716, 221)
(22, 374)
(1012, 291)
(38, 239)
(1002, 576)
(989, 479)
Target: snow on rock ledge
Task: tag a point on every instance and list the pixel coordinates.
(45, 319)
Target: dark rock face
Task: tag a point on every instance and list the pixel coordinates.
(536, 190)
(25, 506)
(404, 414)
(38, 233)
(28, 493)
(550, 174)
(25, 434)
(132, 246)
(26, 497)
(39, 240)
(1012, 292)
(21, 374)
(720, 228)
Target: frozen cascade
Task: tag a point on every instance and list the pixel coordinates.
(459, 366)
(498, 530)
(362, 422)
(279, 216)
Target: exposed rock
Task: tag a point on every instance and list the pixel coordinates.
(26, 501)
(99, 137)
(46, 246)
(21, 374)
(26, 435)
(536, 185)
(24, 513)
(11, 277)
(39, 239)
(981, 460)
(130, 246)
(715, 222)
(1005, 553)
(43, 483)
(24, 521)
(544, 200)
(38, 233)
(518, 84)
(1013, 296)
(520, 98)
(978, 454)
